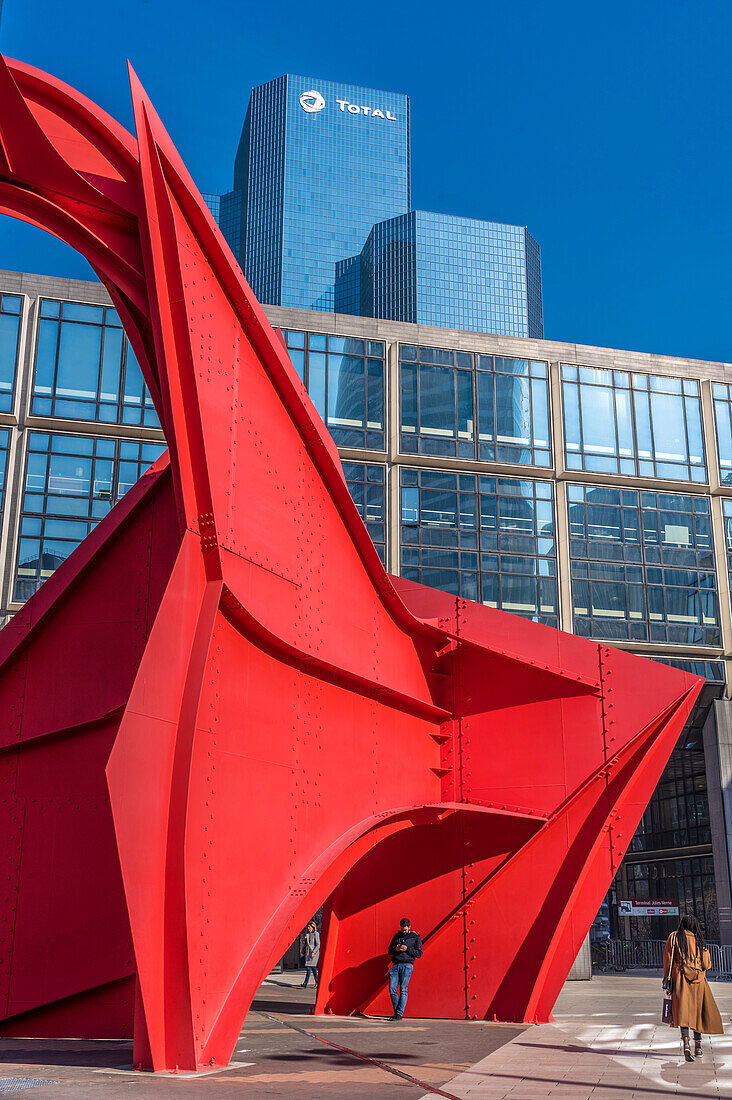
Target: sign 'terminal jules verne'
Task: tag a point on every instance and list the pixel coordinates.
(313, 101)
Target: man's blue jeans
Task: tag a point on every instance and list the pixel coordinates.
(399, 976)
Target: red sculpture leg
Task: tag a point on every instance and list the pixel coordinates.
(67, 663)
(221, 710)
(507, 932)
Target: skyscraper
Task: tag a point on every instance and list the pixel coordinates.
(436, 269)
(319, 218)
(318, 165)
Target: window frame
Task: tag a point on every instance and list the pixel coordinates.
(473, 448)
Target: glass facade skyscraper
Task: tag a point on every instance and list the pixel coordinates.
(436, 269)
(319, 218)
(319, 163)
(226, 209)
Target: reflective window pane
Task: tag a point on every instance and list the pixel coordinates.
(483, 538)
(71, 482)
(10, 308)
(4, 446)
(723, 421)
(344, 377)
(85, 368)
(445, 394)
(367, 486)
(652, 429)
(727, 511)
(642, 566)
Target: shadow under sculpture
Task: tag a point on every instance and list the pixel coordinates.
(204, 709)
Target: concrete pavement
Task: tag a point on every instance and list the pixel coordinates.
(605, 1044)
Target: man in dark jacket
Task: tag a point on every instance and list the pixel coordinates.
(405, 947)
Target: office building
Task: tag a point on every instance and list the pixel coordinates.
(319, 218)
(582, 487)
(437, 269)
(318, 164)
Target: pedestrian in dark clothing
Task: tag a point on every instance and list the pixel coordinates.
(312, 952)
(405, 947)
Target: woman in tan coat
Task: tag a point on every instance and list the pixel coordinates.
(685, 962)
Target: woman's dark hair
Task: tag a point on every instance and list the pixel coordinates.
(689, 924)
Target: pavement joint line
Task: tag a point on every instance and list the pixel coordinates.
(170, 1074)
(429, 1089)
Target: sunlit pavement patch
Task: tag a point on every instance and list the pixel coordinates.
(606, 1042)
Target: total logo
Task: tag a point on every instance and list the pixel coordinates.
(313, 101)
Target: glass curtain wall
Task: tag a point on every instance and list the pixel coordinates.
(637, 424)
(457, 404)
(85, 368)
(71, 482)
(487, 539)
(678, 814)
(344, 377)
(642, 566)
(10, 314)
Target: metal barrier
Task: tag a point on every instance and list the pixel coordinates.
(618, 955)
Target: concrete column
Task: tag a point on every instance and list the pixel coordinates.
(393, 492)
(13, 491)
(718, 764)
(717, 515)
(720, 560)
(561, 507)
(582, 966)
(564, 577)
(710, 435)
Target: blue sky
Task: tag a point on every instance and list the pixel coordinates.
(603, 127)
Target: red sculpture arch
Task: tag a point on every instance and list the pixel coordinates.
(221, 712)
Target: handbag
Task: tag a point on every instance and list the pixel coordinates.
(667, 1015)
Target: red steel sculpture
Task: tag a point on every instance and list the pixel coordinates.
(221, 712)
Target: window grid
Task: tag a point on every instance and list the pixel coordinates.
(487, 539)
(727, 513)
(690, 882)
(636, 424)
(722, 397)
(10, 314)
(85, 368)
(642, 566)
(4, 452)
(461, 273)
(367, 485)
(71, 482)
(344, 377)
(457, 404)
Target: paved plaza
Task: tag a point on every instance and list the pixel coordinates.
(605, 1044)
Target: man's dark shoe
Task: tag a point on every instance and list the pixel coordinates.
(394, 1018)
